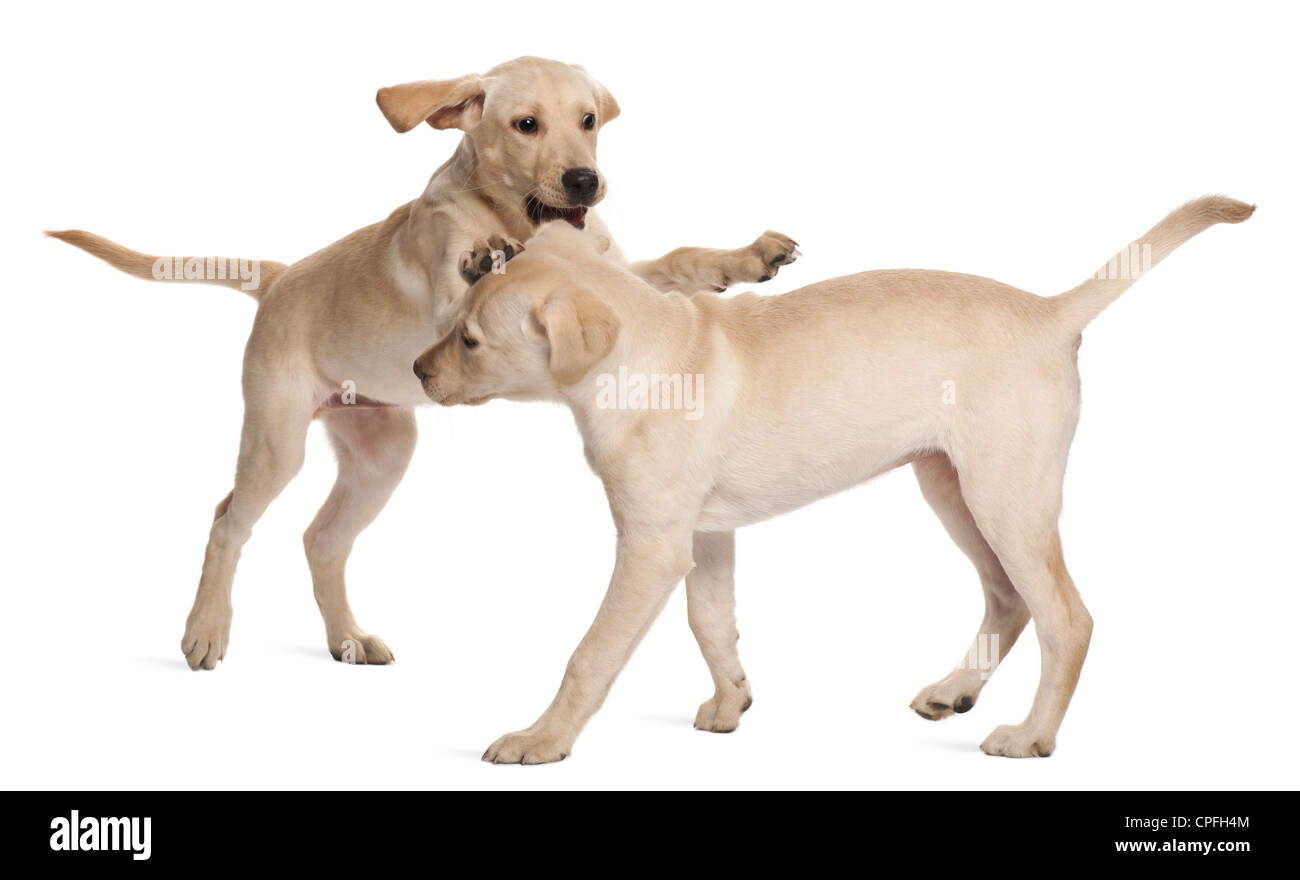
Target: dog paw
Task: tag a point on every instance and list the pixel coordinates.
(775, 250)
(769, 252)
(1018, 741)
(527, 747)
(488, 255)
(956, 694)
(207, 631)
(722, 713)
(360, 649)
(757, 263)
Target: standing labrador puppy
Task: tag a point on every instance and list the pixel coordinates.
(335, 333)
(702, 415)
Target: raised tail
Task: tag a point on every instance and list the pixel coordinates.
(252, 277)
(1085, 302)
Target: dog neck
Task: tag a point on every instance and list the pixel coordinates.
(426, 235)
(462, 175)
(665, 349)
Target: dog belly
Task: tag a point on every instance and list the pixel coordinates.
(381, 376)
(722, 513)
(745, 495)
(370, 392)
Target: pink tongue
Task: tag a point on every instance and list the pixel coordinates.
(574, 216)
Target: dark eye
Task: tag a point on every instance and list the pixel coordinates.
(527, 125)
(589, 121)
(470, 341)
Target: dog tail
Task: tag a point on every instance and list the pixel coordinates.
(1079, 306)
(252, 277)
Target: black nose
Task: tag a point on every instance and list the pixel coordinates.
(581, 183)
(419, 372)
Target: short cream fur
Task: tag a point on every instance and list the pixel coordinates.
(973, 382)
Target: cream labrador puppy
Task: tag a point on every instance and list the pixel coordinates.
(701, 415)
(335, 333)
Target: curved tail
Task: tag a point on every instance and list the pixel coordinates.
(1085, 302)
(252, 277)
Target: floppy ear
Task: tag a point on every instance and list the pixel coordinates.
(581, 330)
(443, 103)
(606, 107)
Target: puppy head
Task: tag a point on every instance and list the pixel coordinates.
(529, 332)
(532, 124)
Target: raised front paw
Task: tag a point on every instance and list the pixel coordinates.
(774, 250)
(760, 261)
(488, 255)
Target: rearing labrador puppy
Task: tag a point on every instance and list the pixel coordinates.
(335, 333)
(702, 415)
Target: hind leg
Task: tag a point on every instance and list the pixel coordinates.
(711, 608)
(271, 448)
(374, 447)
(1005, 613)
(1013, 490)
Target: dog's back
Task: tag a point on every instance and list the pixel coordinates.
(845, 379)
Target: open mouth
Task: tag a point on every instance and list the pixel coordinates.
(540, 213)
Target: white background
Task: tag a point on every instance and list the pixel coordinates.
(1022, 142)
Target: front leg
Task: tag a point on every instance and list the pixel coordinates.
(693, 270)
(647, 567)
